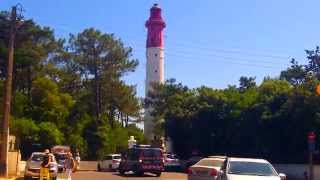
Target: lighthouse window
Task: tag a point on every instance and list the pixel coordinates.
(156, 71)
(156, 55)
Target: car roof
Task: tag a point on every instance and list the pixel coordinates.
(248, 160)
(114, 155)
(152, 148)
(211, 158)
(218, 157)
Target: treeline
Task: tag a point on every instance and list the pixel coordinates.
(70, 91)
(269, 120)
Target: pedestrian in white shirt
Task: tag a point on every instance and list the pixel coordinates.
(69, 165)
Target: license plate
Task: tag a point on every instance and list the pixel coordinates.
(202, 172)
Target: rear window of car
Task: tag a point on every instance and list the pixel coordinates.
(107, 158)
(251, 168)
(133, 154)
(116, 157)
(61, 156)
(151, 153)
(210, 162)
(37, 157)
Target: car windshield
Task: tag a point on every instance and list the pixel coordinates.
(107, 158)
(37, 157)
(61, 156)
(116, 157)
(251, 168)
(210, 162)
(171, 156)
(151, 153)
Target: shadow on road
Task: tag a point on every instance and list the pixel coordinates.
(19, 178)
(146, 175)
(106, 171)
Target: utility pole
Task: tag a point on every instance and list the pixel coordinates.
(7, 98)
(311, 144)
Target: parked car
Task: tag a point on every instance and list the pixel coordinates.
(61, 154)
(249, 169)
(190, 162)
(171, 162)
(207, 168)
(32, 169)
(109, 162)
(61, 158)
(142, 159)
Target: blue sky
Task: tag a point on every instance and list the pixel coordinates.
(207, 42)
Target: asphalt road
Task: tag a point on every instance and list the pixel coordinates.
(94, 175)
(88, 172)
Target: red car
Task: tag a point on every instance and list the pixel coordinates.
(141, 160)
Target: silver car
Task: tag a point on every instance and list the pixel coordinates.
(61, 158)
(207, 168)
(171, 162)
(32, 169)
(250, 169)
(109, 162)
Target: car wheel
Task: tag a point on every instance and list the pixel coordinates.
(99, 168)
(26, 177)
(54, 178)
(139, 173)
(122, 172)
(158, 174)
(60, 170)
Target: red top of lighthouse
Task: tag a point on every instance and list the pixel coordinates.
(155, 25)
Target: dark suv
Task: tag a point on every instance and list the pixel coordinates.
(141, 160)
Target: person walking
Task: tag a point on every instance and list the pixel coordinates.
(44, 167)
(69, 165)
(78, 160)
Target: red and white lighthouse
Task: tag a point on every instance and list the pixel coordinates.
(155, 59)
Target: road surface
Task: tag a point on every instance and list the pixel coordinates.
(94, 175)
(88, 172)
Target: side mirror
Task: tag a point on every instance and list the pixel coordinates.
(282, 176)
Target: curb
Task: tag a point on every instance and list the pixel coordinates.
(9, 178)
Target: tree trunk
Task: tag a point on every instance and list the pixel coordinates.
(121, 118)
(111, 116)
(96, 93)
(29, 82)
(127, 120)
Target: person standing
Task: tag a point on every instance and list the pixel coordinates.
(44, 167)
(69, 165)
(78, 160)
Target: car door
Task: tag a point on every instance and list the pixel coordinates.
(106, 161)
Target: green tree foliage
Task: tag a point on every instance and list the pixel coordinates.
(247, 82)
(295, 74)
(270, 120)
(48, 103)
(101, 59)
(69, 91)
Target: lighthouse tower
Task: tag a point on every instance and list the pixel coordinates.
(155, 59)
